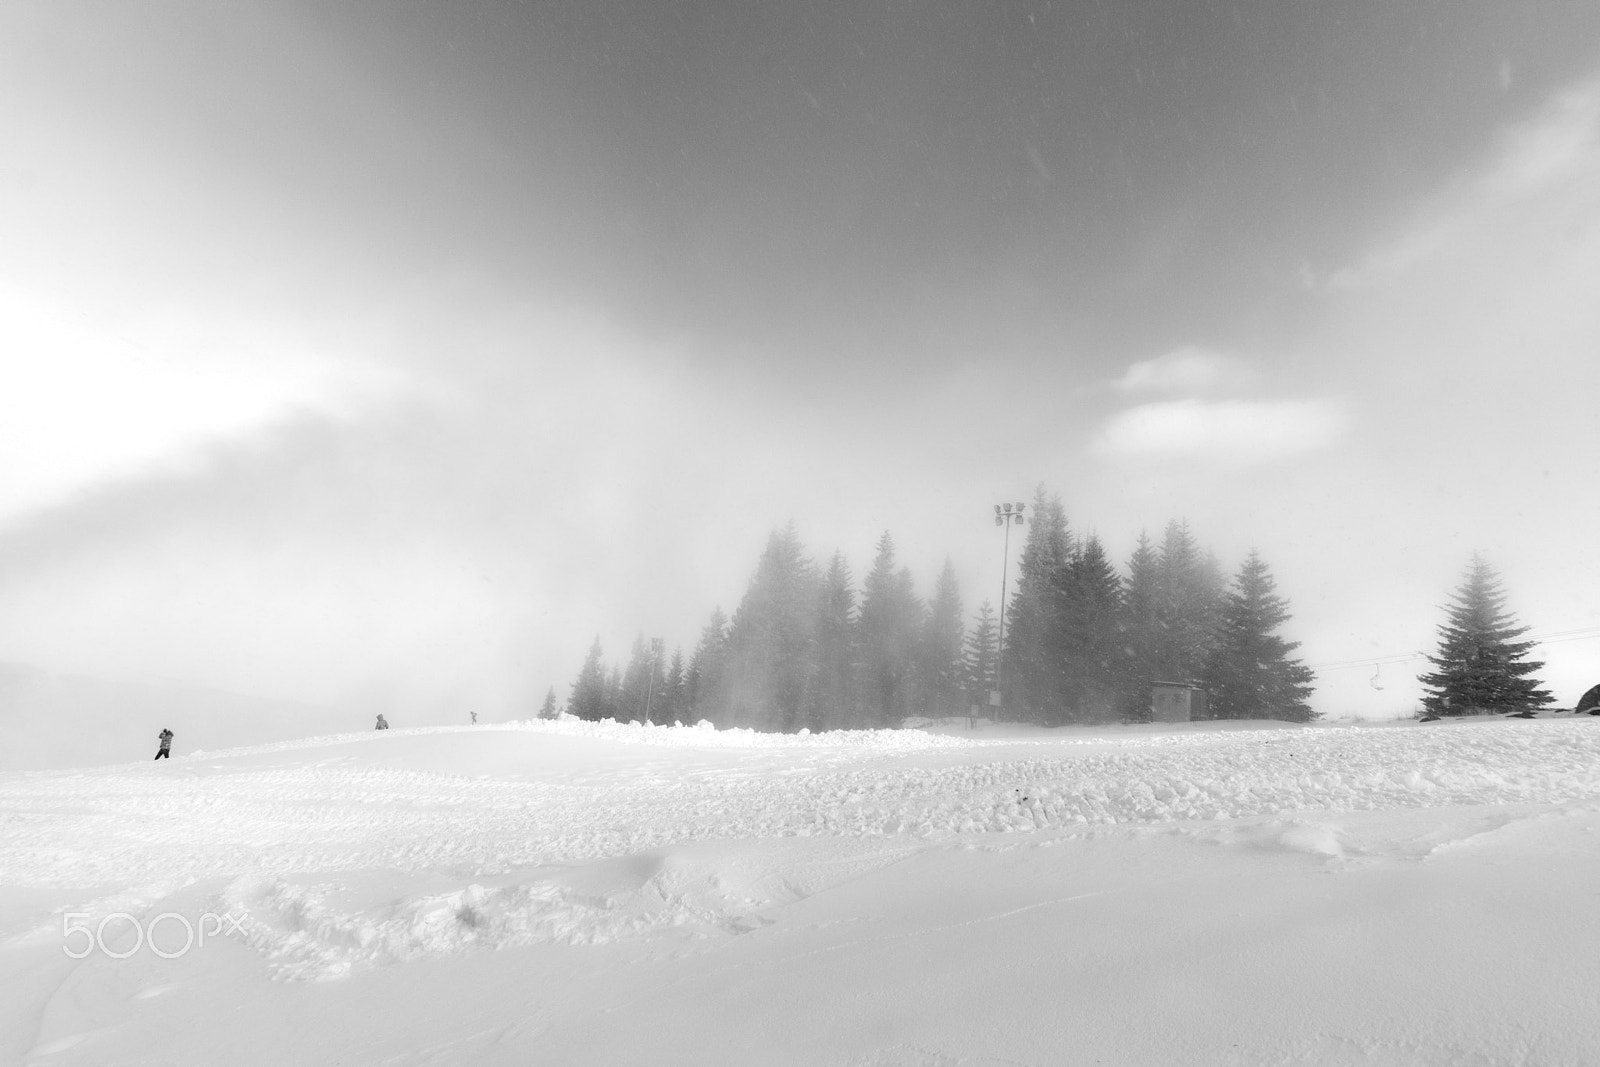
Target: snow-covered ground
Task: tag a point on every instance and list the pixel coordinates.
(572, 893)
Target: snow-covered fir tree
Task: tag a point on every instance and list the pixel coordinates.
(1250, 673)
(1480, 664)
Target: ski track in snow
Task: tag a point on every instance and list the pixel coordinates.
(265, 833)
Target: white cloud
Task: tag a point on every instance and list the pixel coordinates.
(88, 393)
(1561, 138)
(1184, 370)
(1237, 432)
(1546, 163)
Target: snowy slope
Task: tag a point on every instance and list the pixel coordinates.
(599, 893)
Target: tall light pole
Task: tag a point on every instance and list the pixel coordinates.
(650, 686)
(1005, 515)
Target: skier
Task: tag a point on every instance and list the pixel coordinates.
(474, 718)
(383, 724)
(166, 744)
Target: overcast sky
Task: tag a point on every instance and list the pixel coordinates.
(383, 355)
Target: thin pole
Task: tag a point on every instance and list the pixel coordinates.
(650, 684)
(1000, 651)
(1008, 516)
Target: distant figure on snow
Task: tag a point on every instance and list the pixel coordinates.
(383, 724)
(166, 744)
(474, 718)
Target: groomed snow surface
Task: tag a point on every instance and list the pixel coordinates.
(576, 893)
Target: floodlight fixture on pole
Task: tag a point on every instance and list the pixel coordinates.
(1005, 515)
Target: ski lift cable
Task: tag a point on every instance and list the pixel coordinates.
(1569, 637)
(1366, 661)
(1553, 638)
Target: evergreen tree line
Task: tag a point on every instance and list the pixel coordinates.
(807, 650)
(1083, 643)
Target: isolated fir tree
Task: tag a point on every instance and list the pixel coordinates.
(589, 696)
(940, 692)
(1480, 663)
(1250, 673)
(549, 709)
(891, 618)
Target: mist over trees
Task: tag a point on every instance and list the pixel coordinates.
(806, 648)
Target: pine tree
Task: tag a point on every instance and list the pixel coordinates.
(549, 709)
(891, 616)
(636, 682)
(1250, 674)
(1031, 679)
(1139, 632)
(978, 657)
(939, 662)
(613, 698)
(1089, 644)
(589, 696)
(1481, 665)
(834, 696)
(770, 641)
(1189, 593)
(705, 695)
(670, 706)
(708, 670)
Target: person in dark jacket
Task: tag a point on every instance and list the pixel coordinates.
(166, 744)
(383, 724)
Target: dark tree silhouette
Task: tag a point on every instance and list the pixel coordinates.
(589, 692)
(1251, 674)
(1480, 663)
